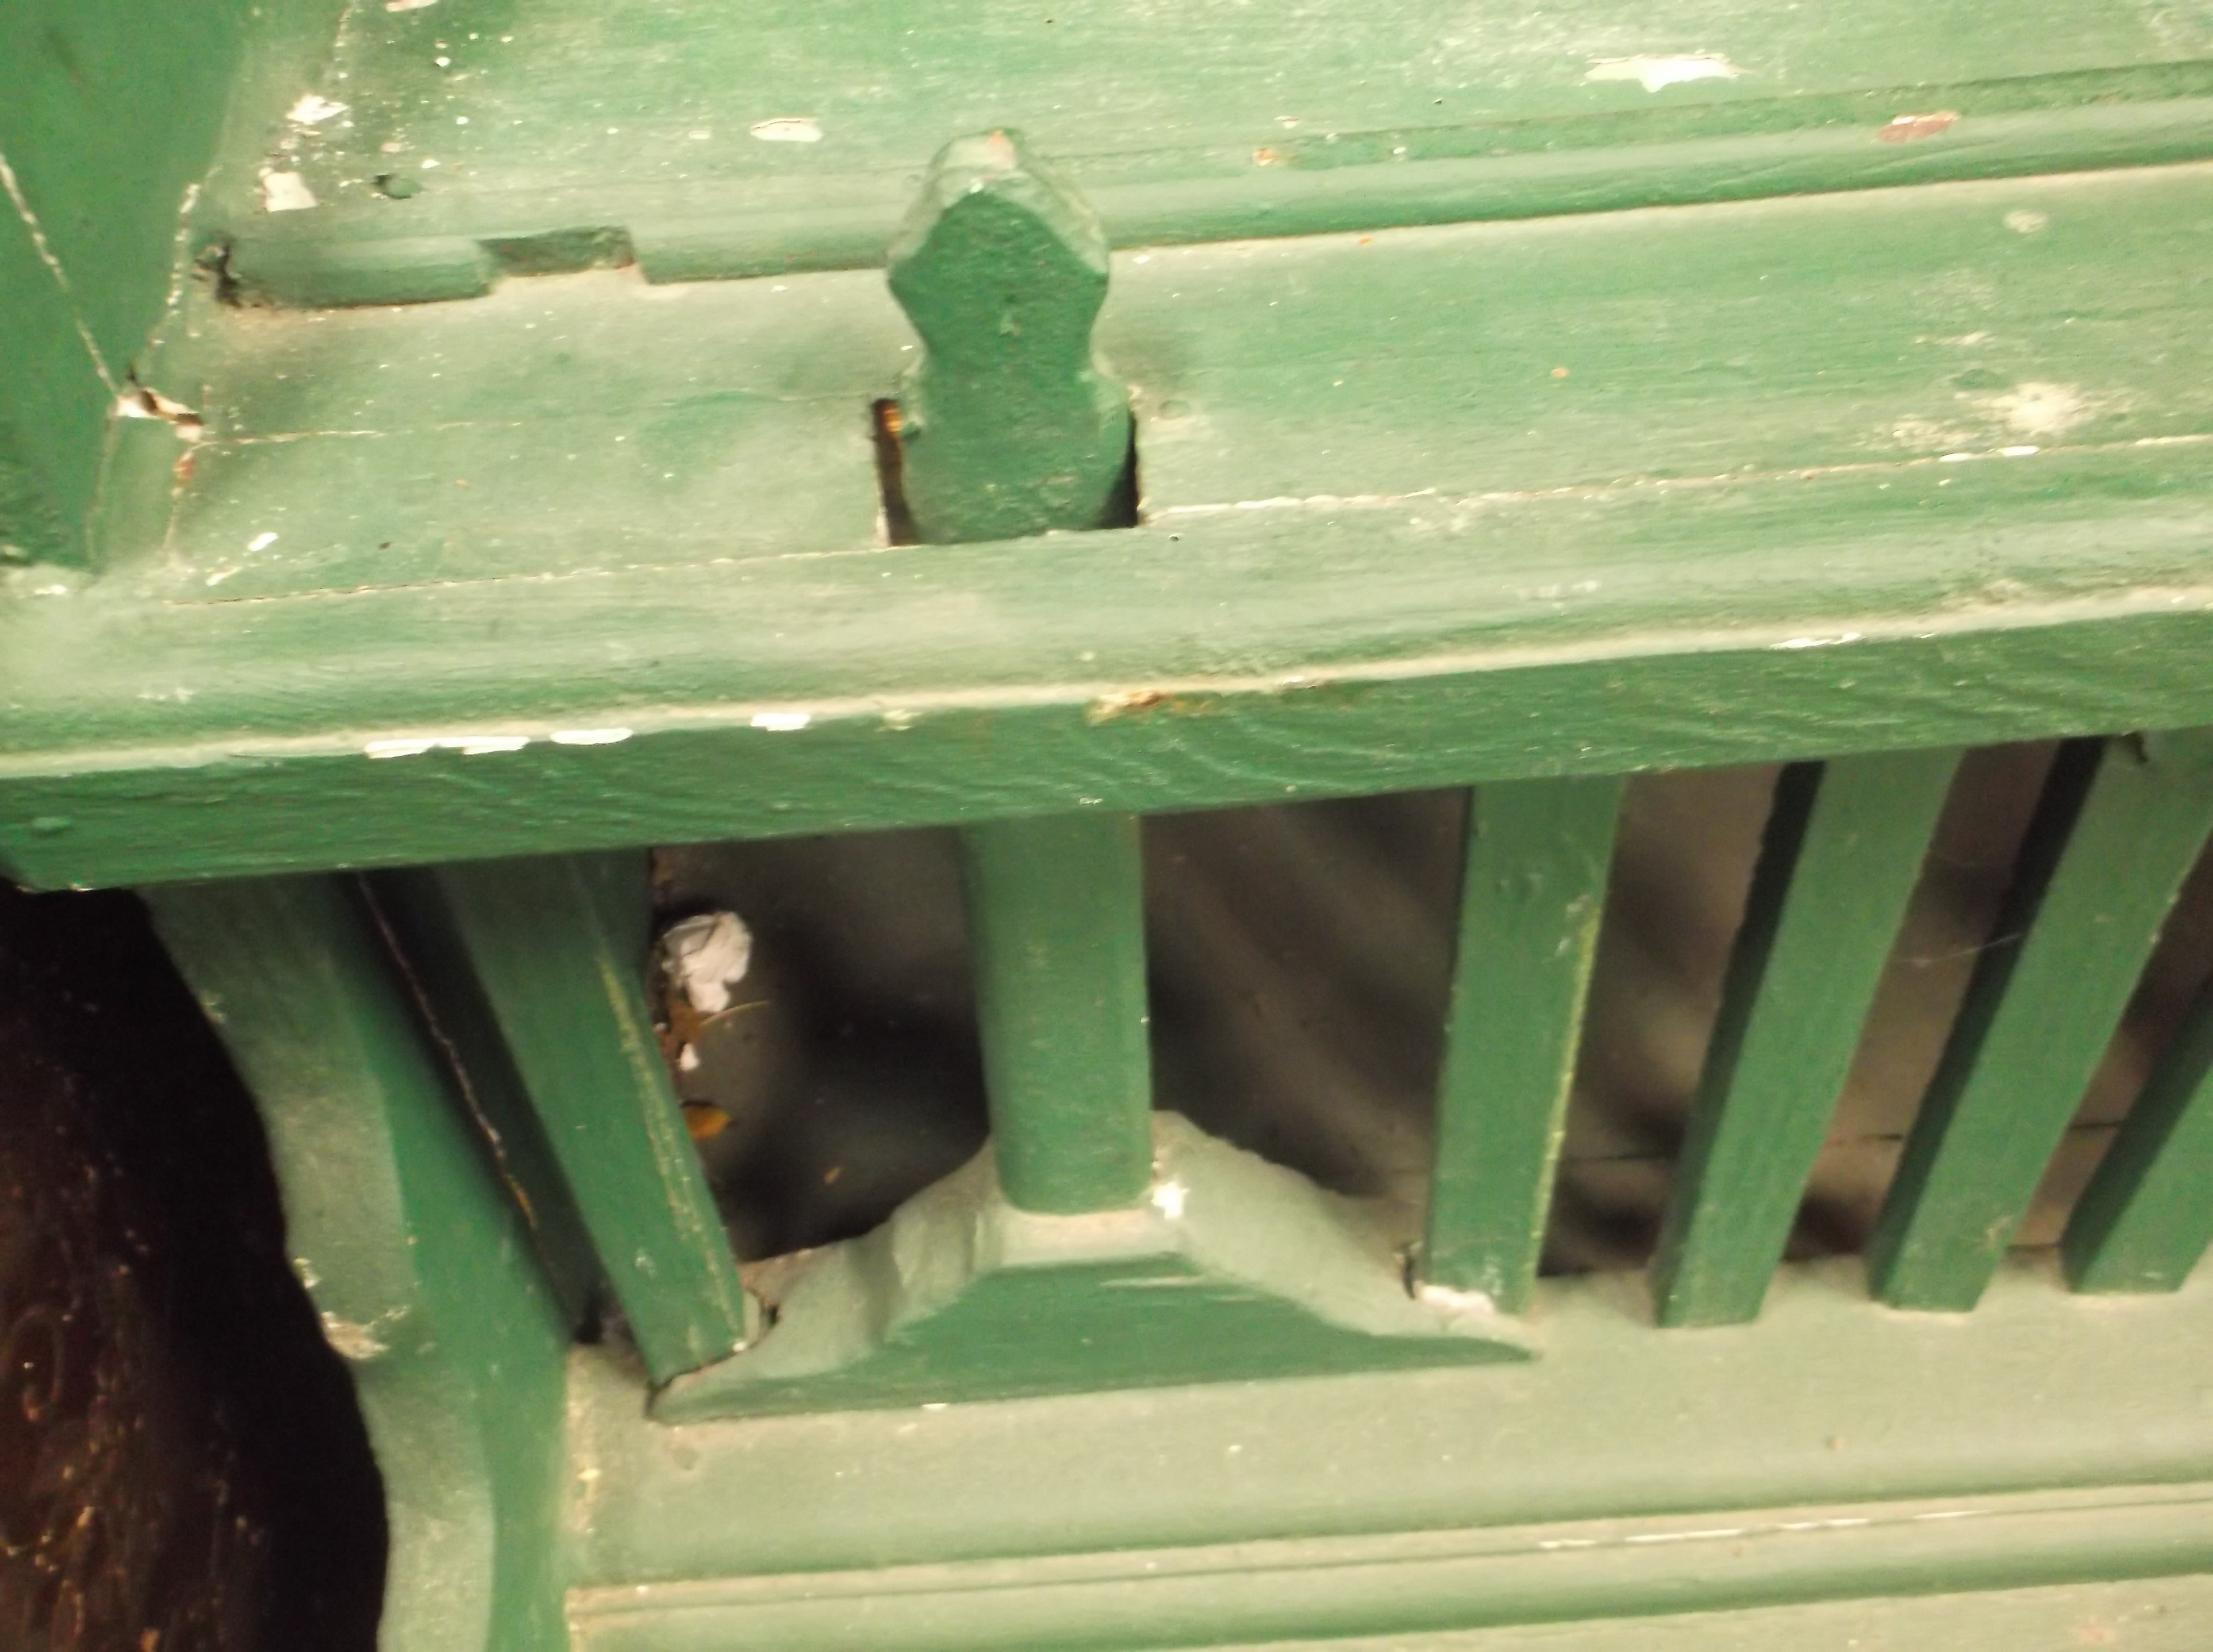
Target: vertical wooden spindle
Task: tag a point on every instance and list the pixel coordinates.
(1842, 850)
(568, 996)
(1537, 852)
(2146, 1216)
(1056, 924)
(2119, 826)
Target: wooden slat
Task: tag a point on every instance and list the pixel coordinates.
(1530, 902)
(1056, 922)
(570, 1003)
(2146, 1216)
(2118, 828)
(1843, 848)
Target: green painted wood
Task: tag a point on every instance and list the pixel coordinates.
(1531, 897)
(2118, 826)
(1431, 1584)
(409, 1245)
(1823, 1400)
(1007, 426)
(1616, 592)
(1234, 1270)
(1842, 850)
(432, 965)
(110, 114)
(1056, 929)
(569, 998)
(794, 142)
(2145, 1219)
(2139, 1614)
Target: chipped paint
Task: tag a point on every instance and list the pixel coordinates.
(1169, 1198)
(1456, 1301)
(589, 737)
(352, 1341)
(782, 723)
(787, 129)
(1907, 129)
(1656, 73)
(311, 110)
(285, 192)
(1820, 641)
(466, 744)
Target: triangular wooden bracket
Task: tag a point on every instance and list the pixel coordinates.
(1234, 1268)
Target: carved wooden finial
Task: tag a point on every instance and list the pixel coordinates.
(1007, 425)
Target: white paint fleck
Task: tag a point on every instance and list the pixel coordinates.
(1686, 1537)
(2018, 452)
(1655, 73)
(699, 135)
(706, 956)
(220, 575)
(787, 129)
(1456, 1302)
(353, 1342)
(2023, 222)
(285, 192)
(1954, 458)
(782, 723)
(935, 1404)
(590, 736)
(2041, 409)
(311, 110)
(407, 5)
(466, 744)
(1820, 642)
(1169, 1198)
(261, 542)
(1568, 1543)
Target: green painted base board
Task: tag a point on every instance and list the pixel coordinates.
(1836, 1450)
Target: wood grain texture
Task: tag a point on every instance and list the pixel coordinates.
(570, 1003)
(1056, 930)
(1531, 897)
(1842, 852)
(408, 1244)
(2120, 825)
(2145, 1219)
(1350, 533)
(521, 143)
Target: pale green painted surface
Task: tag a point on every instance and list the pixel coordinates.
(1351, 533)
(576, 132)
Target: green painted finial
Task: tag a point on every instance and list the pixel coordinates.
(1007, 425)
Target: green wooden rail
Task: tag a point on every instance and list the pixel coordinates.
(1375, 457)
